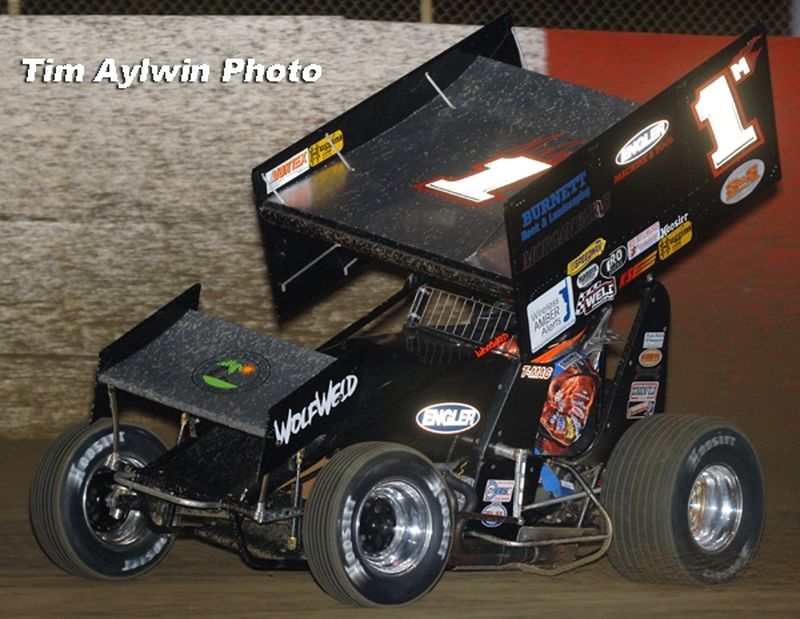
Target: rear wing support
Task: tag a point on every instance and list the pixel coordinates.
(640, 382)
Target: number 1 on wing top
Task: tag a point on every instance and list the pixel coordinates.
(483, 185)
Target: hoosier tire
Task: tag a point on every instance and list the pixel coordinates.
(377, 528)
(69, 514)
(685, 495)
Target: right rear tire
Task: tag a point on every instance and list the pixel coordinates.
(685, 495)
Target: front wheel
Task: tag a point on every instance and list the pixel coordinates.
(686, 497)
(378, 525)
(72, 510)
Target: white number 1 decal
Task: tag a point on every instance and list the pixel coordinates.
(499, 173)
(716, 106)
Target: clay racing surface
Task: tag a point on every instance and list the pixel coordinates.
(113, 202)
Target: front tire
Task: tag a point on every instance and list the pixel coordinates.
(686, 497)
(70, 516)
(378, 525)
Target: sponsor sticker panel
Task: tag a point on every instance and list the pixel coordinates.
(644, 240)
(600, 293)
(448, 418)
(654, 339)
(595, 250)
(498, 491)
(614, 261)
(642, 398)
(675, 240)
(322, 150)
(551, 314)
(742, 181)
(588, 275)
(493, 509)
(650, 357)
(644, 265)
(287, 171)
(642, 142)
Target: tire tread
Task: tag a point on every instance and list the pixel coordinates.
(642, 473)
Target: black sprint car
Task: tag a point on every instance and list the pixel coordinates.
(487, 433)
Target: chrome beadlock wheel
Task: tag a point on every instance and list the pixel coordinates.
(118, 527)
(394, 527)
(715, 507)
(85, 523)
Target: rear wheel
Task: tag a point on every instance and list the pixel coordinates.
(378, 525)
(72, 508)
(686, 498)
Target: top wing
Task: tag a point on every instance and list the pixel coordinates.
(426, 191)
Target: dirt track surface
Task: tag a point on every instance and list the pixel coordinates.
(108, 211)
(198, 580)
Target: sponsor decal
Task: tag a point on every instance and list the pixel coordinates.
(674, 240)
(742, 181)
(588, 275)
(642, 142)
(491, 345)
(640, 409)
(556, 205)
(289, 170)
(594, 250)
(448, 418)
(152, 553)
(715, 441)
(552, 241)
(645, 264)
(570, 400)
(644, 390)
(322, 150)
(493, 509)
(644, 159)
(598, 294)
(537, 372)
(644, 240)
(321, 405)
(77, 472)
(650, 357)
(499, 491)
(231, 372)
(550, 314)
(567, 361)
(654, 339)
(614, 261)
(642, 399)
